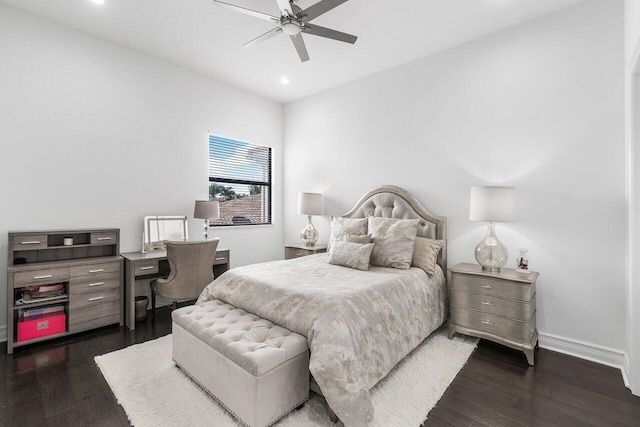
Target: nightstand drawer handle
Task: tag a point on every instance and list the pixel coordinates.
(96, 284)
(486, 322)
(486, 287)
(31, 242)
(220, 259)
(95, 298)
(48, 276)
(147, 268)
(486, 303)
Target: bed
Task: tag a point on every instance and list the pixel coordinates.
(358, 324)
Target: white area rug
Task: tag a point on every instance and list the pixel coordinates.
(154, 392)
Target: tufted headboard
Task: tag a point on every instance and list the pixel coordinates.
(390, 201)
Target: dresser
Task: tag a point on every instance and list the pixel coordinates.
(500, 307)
(299, 250)
(83, 266)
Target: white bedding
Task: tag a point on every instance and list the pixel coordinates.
(358, 324)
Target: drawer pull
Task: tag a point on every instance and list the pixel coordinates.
(48, 276)
(96, 284)
(95, 298)
(486, 322)
(100, 270)
(486, 287)
(220, 259)
(31, 242)
(104, 238)
(486, 303)
(150, 267)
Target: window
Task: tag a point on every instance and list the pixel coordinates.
(240, 179)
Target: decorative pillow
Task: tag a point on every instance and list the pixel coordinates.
(341, 226)
(358, 238)
(425, 254)
(394, 241)
(352, 255)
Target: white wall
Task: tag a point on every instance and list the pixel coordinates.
(96, 135)
(632, 113)
(540, 107)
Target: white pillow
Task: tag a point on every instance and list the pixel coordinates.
(352, 255)
(394, 241)
(341, 227)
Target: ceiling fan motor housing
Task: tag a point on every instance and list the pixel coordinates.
(290, 26)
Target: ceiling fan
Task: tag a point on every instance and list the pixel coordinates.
(294, 21)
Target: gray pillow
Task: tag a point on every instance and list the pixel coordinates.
(425, 254)
(352, 255)
(341, 226)
(394, 241)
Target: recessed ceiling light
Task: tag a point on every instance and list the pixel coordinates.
(97, 1)
(284, 81)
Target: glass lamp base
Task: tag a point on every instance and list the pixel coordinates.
(309, 234)
(491, 254)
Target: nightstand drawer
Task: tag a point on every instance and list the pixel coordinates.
(506, 328)
(40, 277)
(221, 258)
(494, 287)
(290, 253)
(517, 310)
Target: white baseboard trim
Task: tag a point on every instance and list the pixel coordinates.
(588, 351)
(3, 333)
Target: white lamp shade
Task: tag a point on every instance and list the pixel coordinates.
(492, 204)
(206, 209)
(310, 203)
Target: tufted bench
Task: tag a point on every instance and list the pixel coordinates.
(257, 370)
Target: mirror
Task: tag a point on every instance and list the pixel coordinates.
(159, 229)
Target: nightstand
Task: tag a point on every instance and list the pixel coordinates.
(500, 307)
(297, 250)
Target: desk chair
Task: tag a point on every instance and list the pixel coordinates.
(191, 270)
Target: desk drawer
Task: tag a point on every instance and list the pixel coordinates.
(104, 238)
(93, 299)
(221, 258)
(517, 310)
(502, 327)
(93, 314)
(108, 270)
(41, 277)
(493, 287)
(98, 286)
(25, 242)
(143, 268)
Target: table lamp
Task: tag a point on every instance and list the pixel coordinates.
(491, 204)
(206, 209)
(309, 204)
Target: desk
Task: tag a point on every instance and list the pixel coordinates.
(150, 265)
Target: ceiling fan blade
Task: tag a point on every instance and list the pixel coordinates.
(285, 7)
(317, 30)
(298, 42)
(249, 12)
(319, 8)
(263, 37)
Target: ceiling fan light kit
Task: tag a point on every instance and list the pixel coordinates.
(294, 21)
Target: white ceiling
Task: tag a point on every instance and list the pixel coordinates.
(207, 38)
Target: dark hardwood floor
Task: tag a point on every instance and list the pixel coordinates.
(58, 384)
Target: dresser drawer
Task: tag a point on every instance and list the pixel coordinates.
(93, 299)
(40, 277)
(502, 327)
(24, 242)
(494, 287)
(517, 310)
(94, 316)
(106, 270)
(221, 258)
(146, 267)
(104, 238)
(96, 286)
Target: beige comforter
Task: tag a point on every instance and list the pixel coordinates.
(359, 324)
